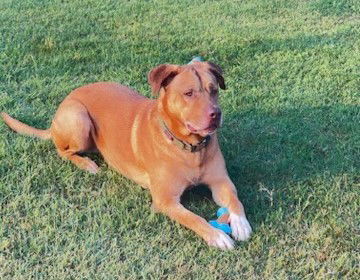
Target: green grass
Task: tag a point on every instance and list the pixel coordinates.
(291, 138)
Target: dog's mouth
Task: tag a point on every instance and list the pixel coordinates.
(203, 131)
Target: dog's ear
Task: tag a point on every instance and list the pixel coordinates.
(161, 76)
(218, 73)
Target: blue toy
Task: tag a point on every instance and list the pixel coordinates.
(221, 222)
(196, 59)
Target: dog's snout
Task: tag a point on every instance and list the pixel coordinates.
(215, 113)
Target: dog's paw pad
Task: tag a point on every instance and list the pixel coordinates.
(241, 229)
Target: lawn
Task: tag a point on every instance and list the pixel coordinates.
(291, 138)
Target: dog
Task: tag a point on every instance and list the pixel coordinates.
(165, 144)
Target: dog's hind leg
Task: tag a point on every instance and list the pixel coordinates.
(71, 131)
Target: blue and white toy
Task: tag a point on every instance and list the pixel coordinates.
(196, 59)
(221, 222)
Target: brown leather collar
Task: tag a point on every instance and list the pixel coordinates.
(182, 144)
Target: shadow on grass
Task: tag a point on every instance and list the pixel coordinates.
(269, 153)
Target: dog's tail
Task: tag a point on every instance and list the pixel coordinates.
(24, 128)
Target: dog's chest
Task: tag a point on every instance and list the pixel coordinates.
(195, 169)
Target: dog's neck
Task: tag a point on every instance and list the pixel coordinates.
(193, 148)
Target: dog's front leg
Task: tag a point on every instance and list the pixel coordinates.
(225, 195)
(170, 205)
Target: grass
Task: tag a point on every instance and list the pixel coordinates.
(291, 138)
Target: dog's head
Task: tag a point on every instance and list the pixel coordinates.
(188, 94)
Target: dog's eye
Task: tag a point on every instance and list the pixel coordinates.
(188, 93)
(213, 91)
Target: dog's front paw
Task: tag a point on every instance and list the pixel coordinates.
(240, 227)
(219, 239)
(90, 165)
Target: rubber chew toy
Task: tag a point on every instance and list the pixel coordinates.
(196, 59)
(222, 220)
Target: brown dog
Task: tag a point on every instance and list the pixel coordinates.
(165, 144)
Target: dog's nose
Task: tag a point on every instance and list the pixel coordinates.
(215, 113)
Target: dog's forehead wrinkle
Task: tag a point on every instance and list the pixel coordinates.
(200, 79)
(200, 76)
(208, 81)
(190, 79)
